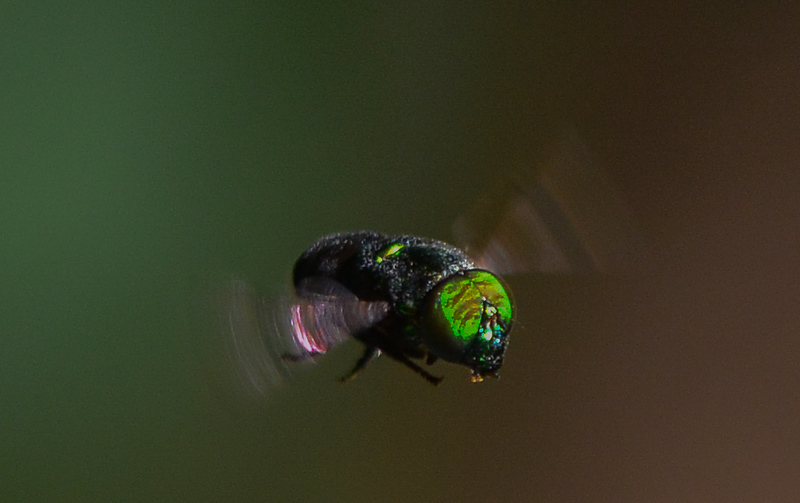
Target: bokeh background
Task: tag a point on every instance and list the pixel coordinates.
(149, 150)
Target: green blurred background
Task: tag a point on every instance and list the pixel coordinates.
(150, 150)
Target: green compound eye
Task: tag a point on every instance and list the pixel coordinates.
(467, 318)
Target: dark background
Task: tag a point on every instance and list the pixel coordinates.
(149, 149)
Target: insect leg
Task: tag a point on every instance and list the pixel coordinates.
(400, 357)
(370, 353)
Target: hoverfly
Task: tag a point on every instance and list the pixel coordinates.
(418, 300)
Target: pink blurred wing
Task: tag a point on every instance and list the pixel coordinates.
(269, 335)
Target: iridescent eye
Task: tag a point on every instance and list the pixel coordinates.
(467, 318)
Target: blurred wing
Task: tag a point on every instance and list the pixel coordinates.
(565, 217)
(268, 336)
(325, 313)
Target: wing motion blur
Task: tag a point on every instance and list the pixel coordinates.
(269, 335)
(561, 216)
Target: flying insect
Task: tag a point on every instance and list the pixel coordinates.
(418, 300)
(436, 303)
